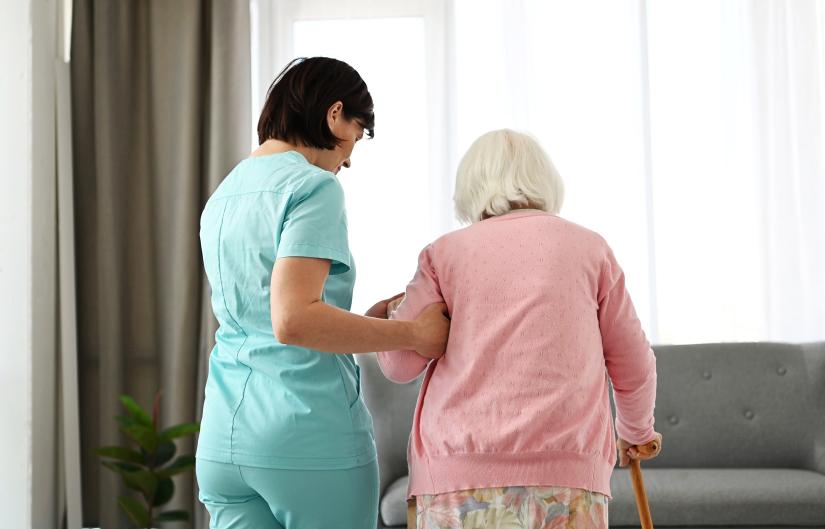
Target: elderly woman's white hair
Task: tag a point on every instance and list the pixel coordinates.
(505, 170)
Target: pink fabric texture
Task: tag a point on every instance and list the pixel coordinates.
(540, 319)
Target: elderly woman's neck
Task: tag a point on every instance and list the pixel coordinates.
(513, 208)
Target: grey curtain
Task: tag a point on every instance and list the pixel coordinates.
(161, 113)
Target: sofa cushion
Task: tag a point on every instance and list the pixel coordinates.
(394, 503)
(742, 403)
(694, 498)
(722, 497)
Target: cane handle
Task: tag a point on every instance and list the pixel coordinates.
(649, 448)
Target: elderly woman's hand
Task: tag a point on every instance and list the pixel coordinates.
(628, 451)
(394, 303)
(380, 310)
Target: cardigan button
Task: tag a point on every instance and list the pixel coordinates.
(674, 420)
(782, 371)
(706, 375)
(749, 415)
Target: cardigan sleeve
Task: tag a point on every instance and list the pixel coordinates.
(628, 356)
(404, 365)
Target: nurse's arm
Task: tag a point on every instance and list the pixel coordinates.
(300, 318)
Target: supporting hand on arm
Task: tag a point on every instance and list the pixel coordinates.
(299, 317)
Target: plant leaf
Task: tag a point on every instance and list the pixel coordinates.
(140, 480)
(121, 453)
(165, 452)
(135, 410)
(145, 436)
(181, 464)
(173, 516)
(164, 492)
(134, 510)
(144, 479)
(126, 420)
(180, 430)
(120, 468)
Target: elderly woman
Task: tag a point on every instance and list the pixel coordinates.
(512, 427)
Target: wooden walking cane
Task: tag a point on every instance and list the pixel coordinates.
(411, 513)
(639, 485)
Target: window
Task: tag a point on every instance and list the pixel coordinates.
(397, 202)
(687, 132)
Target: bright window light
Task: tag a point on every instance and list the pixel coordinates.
(388, 186)
(681, 130)
(573, 80)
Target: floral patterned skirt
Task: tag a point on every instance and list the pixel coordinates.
(513, 508)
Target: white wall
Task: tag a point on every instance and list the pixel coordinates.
(28, 488)
(15, 260)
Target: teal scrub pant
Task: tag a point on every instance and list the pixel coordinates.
(241, 497)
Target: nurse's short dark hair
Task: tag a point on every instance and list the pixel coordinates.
(297, 101)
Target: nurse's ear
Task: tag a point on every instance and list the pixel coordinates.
(335, 115)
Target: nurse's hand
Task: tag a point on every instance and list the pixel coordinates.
(379, 310)
(432, 328)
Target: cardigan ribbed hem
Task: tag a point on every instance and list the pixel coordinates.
(437, 474)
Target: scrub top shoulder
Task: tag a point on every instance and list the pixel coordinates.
(270, 404)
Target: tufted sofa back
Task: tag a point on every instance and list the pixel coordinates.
(741, 405)
(757, 405)
(391, 406)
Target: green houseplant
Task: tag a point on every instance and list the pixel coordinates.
(149, 466)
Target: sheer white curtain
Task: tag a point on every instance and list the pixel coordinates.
(789, 44)
(399, 187)
(571, 74)
(738, 179)
(688, 133)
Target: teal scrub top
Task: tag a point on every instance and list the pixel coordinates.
(269, 404)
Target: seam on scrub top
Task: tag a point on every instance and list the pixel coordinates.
(337, 250)
(233, 195)
(346, 397)
(291, 191)
(343, 258)
(237, 409)
(220, 280)
(238, 325)
(240, 475)
(306, 458)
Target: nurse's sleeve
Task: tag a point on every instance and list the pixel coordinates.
(404, 365)
(315, 224)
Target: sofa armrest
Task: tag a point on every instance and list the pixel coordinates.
(391, 406)
(814, 354)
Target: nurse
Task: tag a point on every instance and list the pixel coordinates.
(286, 441)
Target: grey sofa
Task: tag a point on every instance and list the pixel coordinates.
(744, 438)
